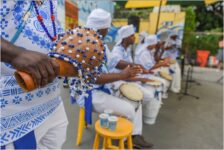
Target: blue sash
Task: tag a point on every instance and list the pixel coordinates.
(88, 103)
(26, 142)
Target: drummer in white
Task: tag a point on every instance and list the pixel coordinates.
(146, 57)
(100, 20)
(121, 57)
(141, 40)
(172, 46)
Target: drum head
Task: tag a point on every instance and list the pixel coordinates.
(172, 61)
(154, 83)
(131, 92)
(166, 76)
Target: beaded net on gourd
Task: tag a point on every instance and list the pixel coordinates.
(84, 49)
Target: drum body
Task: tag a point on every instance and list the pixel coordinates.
(151, 111)
(127, 92)
(166, 75)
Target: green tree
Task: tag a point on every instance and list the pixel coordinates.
(190, 26)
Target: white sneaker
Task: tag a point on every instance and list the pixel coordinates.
(165, 95)
(148, 121)
(175, 91)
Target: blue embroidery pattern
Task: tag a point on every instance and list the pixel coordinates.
(17, 100)
(11, 95)
(18, 11)
(13, 91)
(39, 93)
(29, 97)
(54, 88)
(9, 121)
(3, 102)
(10, 82)
(16, 90)
(4, 11)
(31, 35)
(48, 91)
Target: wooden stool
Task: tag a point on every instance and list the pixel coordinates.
(123, 130)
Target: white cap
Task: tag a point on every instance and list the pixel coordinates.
(125, 32)
(174, 33)
(99, 19)
(142, 36)
(151, 40)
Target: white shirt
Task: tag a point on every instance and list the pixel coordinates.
(145, 58)
(138, 48)
(119, 53)
(172, 53)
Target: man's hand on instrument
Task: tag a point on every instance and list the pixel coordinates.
(131, 71)
(144, 71)
(38, 65)
(168, 59)
(143, 80)
(148, 71)
(165, 63)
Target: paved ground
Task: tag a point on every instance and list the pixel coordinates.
(185, 124)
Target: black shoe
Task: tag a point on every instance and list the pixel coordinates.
(140, 143)
(65, 85)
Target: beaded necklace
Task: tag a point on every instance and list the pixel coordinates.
(40, 19)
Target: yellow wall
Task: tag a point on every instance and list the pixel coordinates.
(150, 25)
(144, 3)
(144, 25)
(120, 22)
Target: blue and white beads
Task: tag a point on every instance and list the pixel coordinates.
(84, 50)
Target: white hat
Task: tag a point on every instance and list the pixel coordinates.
(151, 40)
(174, 33)
(125, 32)
(99, 19)
(142, 36)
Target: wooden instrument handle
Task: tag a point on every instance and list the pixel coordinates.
(27, 83)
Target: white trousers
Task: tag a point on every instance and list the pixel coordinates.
(102, 101)
(52, 133)
(176, 83)
(149, 97)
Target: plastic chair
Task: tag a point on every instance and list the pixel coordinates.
(123, 130)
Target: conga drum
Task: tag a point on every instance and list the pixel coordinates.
(166, 76)
(132, 94)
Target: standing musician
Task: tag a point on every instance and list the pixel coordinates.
(36, 119)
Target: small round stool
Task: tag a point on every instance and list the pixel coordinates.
(123, 130)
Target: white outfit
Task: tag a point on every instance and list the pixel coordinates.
(23, 113)
(142, 37)
(99, 19)
(146, 59)
(119, 53)
(52, 133)
(172, 53)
